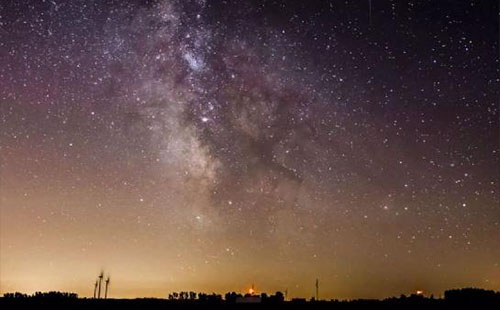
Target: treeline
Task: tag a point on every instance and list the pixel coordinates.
(230, 297)
(470, 295)
(193, 296)
(41, 295)
(458, 297)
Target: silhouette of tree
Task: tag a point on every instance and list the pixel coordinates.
(278, 297)
(16, 295)
(264, 297)
(41, 295)
(231, 297)
(192, 295)
(471, 296)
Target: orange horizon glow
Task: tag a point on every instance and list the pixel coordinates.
(251, 290)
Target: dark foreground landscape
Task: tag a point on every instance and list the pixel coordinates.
(453, 299)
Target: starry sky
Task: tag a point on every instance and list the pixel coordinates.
(208, 145)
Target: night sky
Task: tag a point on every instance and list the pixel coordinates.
(208, 145)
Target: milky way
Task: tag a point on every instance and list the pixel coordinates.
(208, 145)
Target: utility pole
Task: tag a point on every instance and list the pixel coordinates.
(317, 289)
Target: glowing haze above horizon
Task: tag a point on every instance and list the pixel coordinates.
(206, 146)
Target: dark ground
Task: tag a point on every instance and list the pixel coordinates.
(166, 304)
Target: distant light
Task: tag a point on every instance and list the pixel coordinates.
(420, 292)
(205, 119)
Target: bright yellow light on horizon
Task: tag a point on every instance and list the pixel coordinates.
(251, 291)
